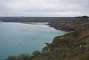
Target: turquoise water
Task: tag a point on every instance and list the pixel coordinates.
(17, 38)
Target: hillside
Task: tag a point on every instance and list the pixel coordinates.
(74, 45)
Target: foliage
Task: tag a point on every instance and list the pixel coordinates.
(75, 34)
(35, 53)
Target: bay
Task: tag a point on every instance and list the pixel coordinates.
(19, 38)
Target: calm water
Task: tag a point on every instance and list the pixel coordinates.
(17, 38)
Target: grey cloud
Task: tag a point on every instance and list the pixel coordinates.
(44, 7)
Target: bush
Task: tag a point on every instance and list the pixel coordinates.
(12, 58)
(35, 53)
(76, 34)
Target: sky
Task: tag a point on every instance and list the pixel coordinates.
(44, 8)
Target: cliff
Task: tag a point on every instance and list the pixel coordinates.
(74, 45)
(69, 24)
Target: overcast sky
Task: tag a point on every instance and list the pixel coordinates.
(42, 8)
